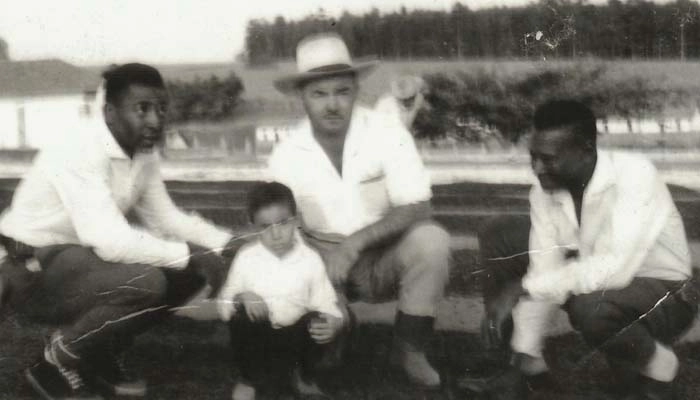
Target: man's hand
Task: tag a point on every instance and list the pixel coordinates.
(254, 305)
(208, 264)
(498, 311)
(240, 237)
(324, 328)
(226, 308)
(341, 259)
(690, 290)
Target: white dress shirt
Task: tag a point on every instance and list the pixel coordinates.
(381, 169)
(79, 193)
(629, 228)
(291, 286)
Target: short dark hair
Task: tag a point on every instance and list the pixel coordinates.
(118, 78)
(568, 114)
(267, 194)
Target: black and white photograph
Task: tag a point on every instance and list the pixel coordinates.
(350, 199)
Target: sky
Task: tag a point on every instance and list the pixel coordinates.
(88, 32)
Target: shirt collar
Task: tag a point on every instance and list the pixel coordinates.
(603, 177)
(305, 137)
(107, 140)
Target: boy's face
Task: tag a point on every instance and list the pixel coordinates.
(278, 225)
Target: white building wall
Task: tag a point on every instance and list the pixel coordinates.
(9, 132)
(46, 119)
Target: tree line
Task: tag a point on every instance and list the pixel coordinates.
(549, 28)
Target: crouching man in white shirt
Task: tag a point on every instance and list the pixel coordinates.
(281, 305)
(606, 243)
(364, 199)
(101, 279)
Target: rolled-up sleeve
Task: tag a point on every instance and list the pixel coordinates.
(407, 179)
(100, 224)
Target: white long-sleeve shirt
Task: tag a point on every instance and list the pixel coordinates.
(79, 193)
(629, 228)
(291, 286)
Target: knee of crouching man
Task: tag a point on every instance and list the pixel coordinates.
(148, 289)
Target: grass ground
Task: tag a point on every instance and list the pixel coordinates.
(186, 359)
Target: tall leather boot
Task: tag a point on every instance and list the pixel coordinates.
(411, 337)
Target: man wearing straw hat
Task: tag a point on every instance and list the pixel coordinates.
(364, 196)
(100, 278)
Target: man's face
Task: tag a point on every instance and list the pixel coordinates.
(278, 226)
(328, 103)
(138, 119)
(556, 157)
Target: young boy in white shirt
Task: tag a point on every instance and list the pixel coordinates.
(278, 299)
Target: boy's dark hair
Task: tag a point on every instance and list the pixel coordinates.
(118, 78)
(267, 194)
(568, 114)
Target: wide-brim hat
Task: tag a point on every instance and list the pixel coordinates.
(320, 56)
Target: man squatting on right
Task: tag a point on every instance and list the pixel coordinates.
(605, 242)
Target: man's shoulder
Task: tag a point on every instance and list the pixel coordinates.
(628, 162)
(631, 170)
(76, 153)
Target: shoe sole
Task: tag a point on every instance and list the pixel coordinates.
(39, 389)
(124, 391)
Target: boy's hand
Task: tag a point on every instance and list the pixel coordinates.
(324, 328)
(255, 307)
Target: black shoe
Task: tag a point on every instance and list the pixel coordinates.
(52, 382)
(111, 375)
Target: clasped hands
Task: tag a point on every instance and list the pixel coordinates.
(322, 329)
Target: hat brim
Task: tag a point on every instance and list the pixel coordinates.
(290, 83)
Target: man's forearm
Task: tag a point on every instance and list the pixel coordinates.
(396, 222)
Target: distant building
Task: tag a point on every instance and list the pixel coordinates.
(42, 101)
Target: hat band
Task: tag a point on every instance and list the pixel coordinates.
(331, 68)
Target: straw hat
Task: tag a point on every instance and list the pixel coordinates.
(320, 56)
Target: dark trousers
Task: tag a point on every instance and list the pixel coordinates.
(260, 349)
(95, 302)
(609, 320)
